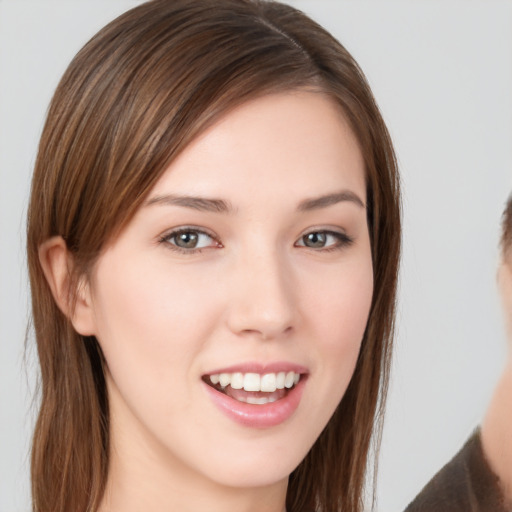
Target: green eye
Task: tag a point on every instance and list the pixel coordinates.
(324, 240)
(188, 240)
(315, 240)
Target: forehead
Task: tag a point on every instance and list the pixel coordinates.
(298, 141)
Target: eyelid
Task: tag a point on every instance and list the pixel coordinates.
(343, 240)
(171, 233)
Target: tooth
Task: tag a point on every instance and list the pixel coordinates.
(268, 382)
(288, 381)
(257, 401)
(280, 380)
(272, 399)
(214, 379)
(237, 380)
(251, 382)
(224, 379)
(296, 378)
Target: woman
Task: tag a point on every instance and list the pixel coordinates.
(213, 243)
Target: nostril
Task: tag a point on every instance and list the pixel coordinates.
(267, 333)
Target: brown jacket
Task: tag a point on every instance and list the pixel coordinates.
(465, 484)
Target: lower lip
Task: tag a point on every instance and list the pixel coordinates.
(258, 416)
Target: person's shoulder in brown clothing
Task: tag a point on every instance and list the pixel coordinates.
(465, 484)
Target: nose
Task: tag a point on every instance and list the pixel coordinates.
(262, 299)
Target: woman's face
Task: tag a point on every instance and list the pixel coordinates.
(247, 268)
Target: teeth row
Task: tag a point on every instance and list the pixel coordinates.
(257, 401)
(256, 382)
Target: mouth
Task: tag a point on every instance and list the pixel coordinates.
(254, 388)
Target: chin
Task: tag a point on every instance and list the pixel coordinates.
(254, 466)
(245, 476)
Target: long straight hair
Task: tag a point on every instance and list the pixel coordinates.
(131, 100)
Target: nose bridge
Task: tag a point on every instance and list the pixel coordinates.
(263, 302)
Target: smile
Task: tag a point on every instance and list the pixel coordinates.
(253, 388)
(256, 399)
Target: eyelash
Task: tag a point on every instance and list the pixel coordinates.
(343, 240)
(168, 237)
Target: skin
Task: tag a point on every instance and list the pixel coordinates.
(255, 292)
(497, 425)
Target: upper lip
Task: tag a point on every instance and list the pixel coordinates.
(261, 368)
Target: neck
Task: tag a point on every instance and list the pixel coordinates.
(497, 432)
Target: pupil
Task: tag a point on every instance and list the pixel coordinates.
(315, 240)
(187, 240)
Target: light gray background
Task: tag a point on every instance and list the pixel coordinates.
(442, 74)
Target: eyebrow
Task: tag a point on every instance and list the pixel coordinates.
(196, 203)
(324, 201)
(221, 206)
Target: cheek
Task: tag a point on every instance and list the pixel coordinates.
(336, 310)
(341, 305)
(147, 320)
(340, 315)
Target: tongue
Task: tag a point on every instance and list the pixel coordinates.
(241, 394)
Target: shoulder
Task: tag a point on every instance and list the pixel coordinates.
(465, 484)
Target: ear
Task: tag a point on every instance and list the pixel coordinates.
(505, 287)
(57, 263)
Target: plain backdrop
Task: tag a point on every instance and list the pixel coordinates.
(442, 74)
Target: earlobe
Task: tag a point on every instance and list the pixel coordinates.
(57, 264)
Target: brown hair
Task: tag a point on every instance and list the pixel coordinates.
(130, 101)
(506, 230)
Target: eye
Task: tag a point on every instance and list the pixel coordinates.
(326, 240)
(189, 240)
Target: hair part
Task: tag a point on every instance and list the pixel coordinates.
(131, 100)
